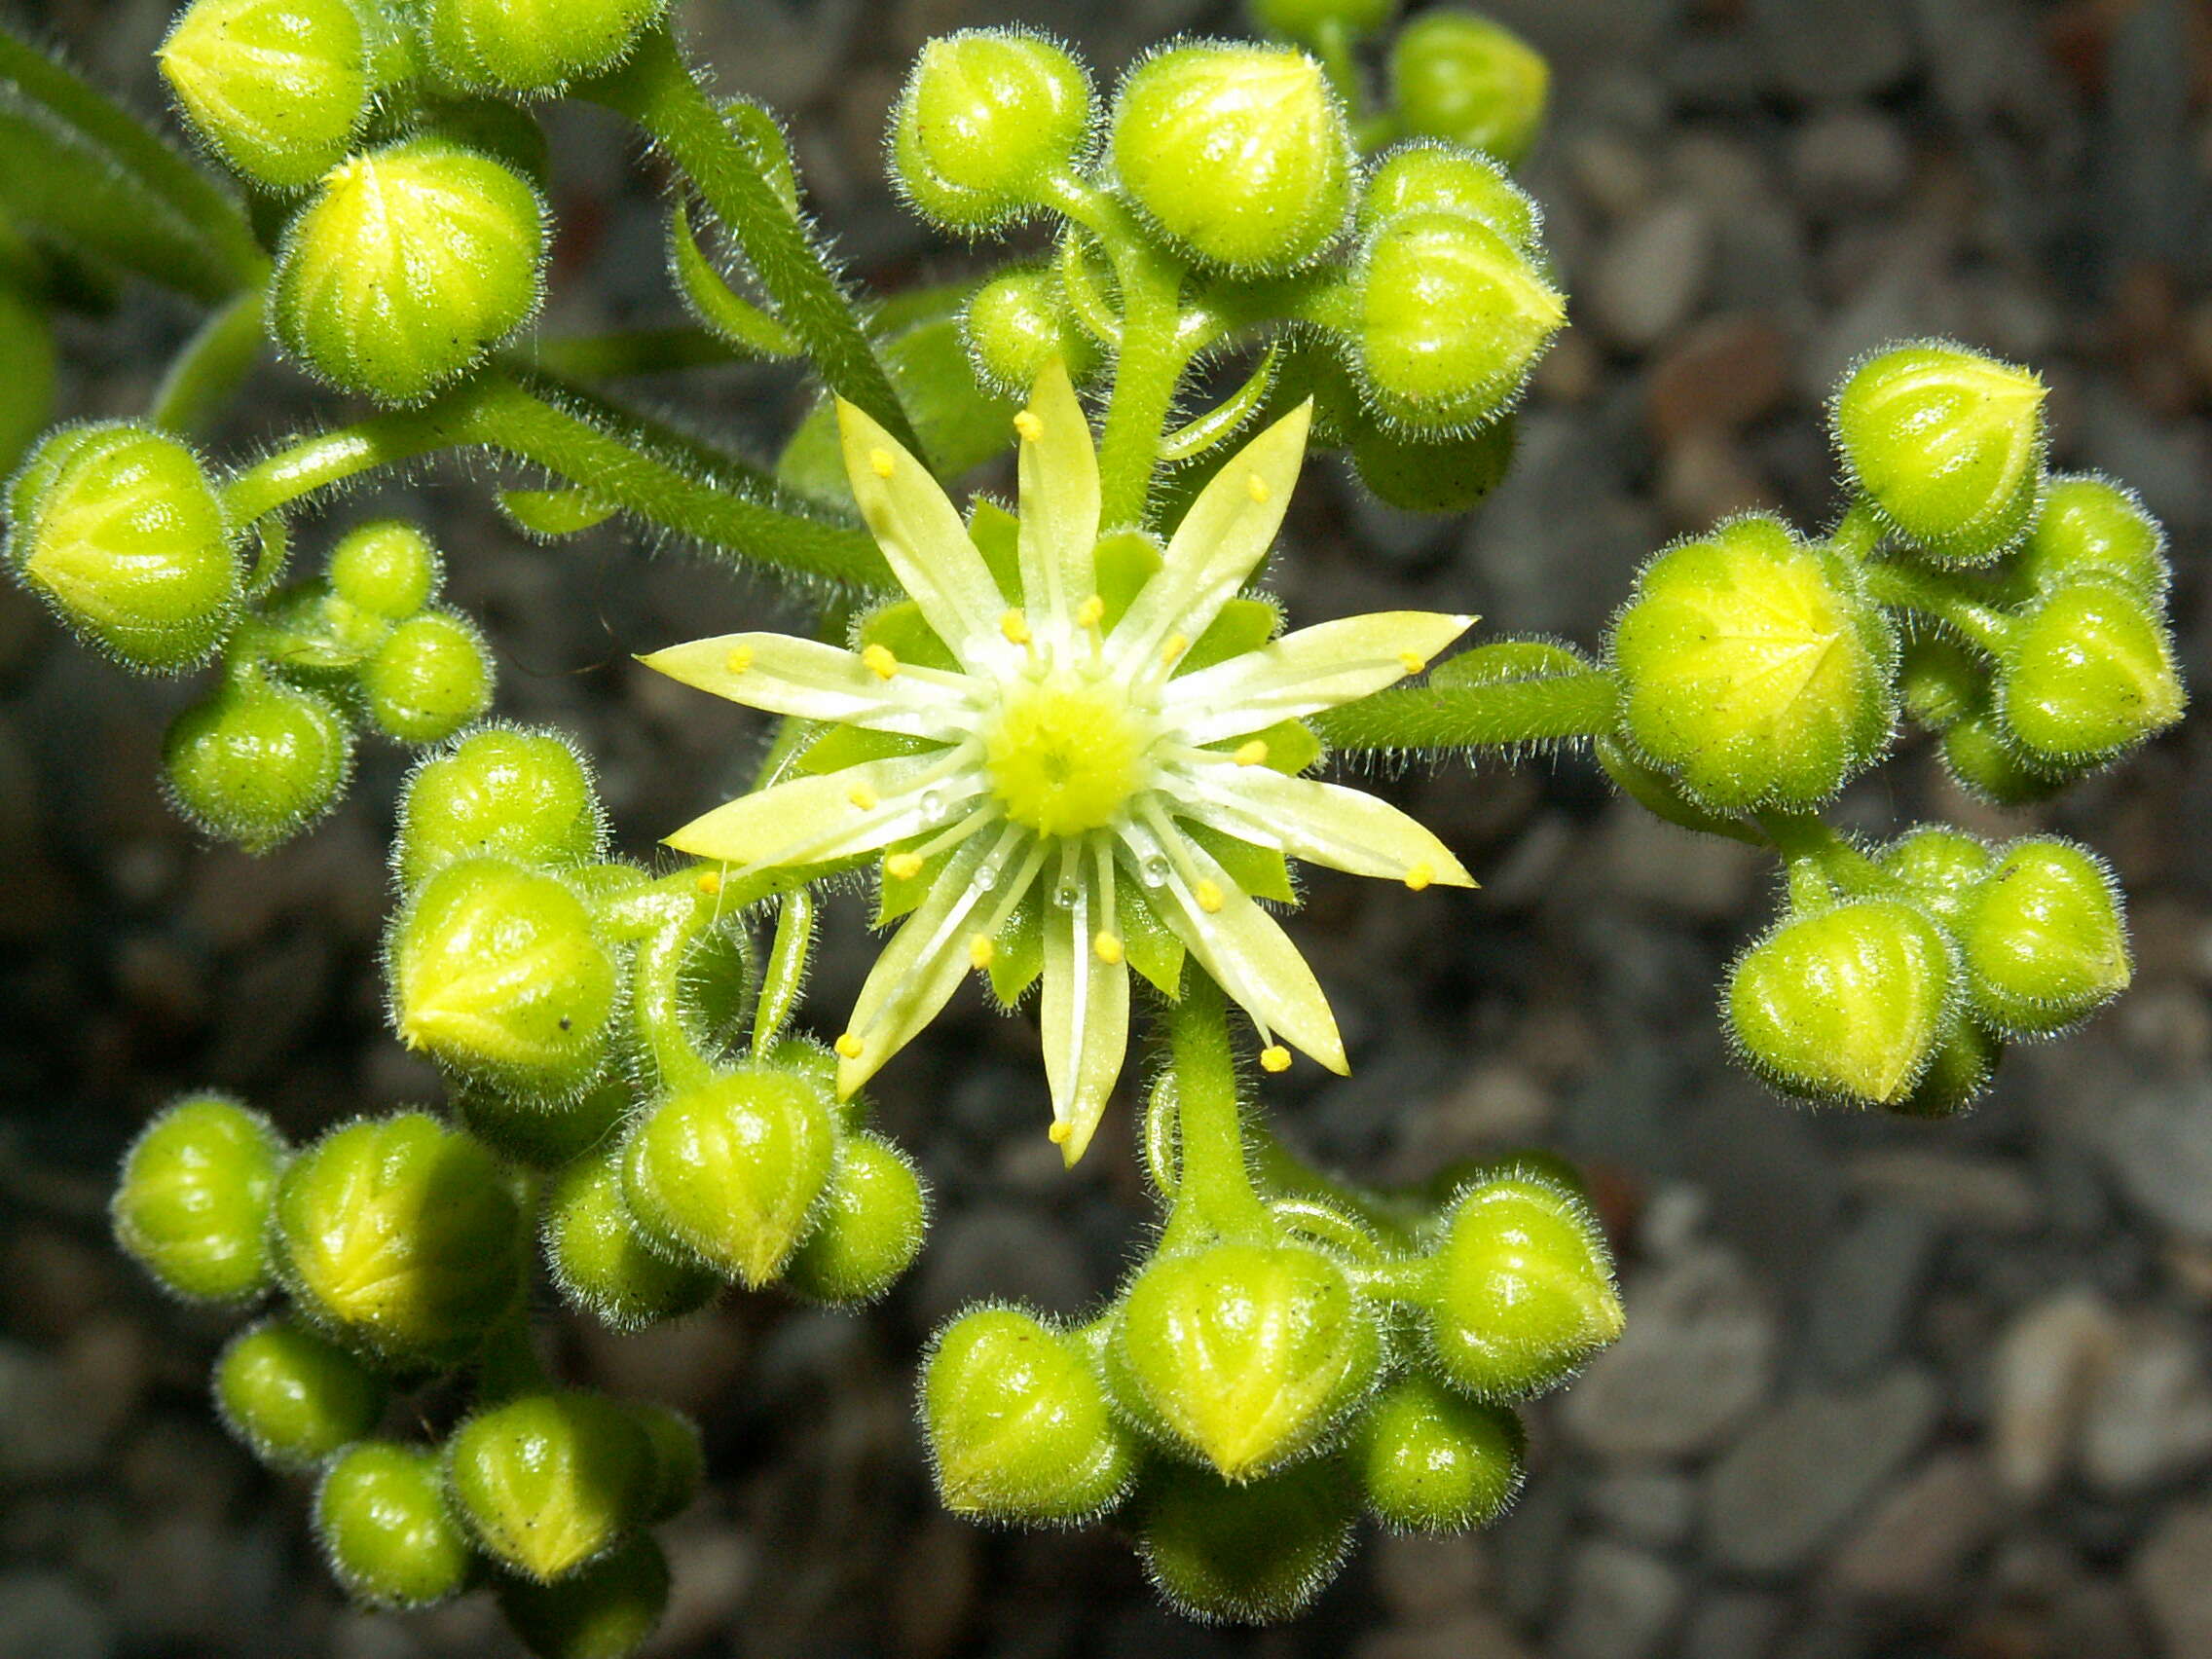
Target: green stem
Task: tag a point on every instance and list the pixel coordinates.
(655, 88)
(1820, 863)
(1861, 533)
(632, 351)
(657, 1000)
(1147, 372)
(1282, 1170)
(208, 372)
(786, 976)
(1499, 715)
(1215, 1196)
(1907, 587)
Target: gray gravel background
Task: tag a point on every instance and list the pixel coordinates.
(1889, 1390)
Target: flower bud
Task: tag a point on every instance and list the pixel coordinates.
(545, 1134)
(499, 793)
(1752, 670)
(1239, 155)
(1017, 324)
(609, 1611)
(500, 47)
(2088, 674)
(1419, 474)
(1958, 1072)
(293, 1396)
(549, 1482)
(1847, 1005)
(1249, 1354)
(2045, 939)
(1941, 866)
(1939, 682)
(986, 120)
(869, 1228)
(1947, 442)
(382, 1518)
(28, 393)
(1457, 76)
(412, 263)
(1253, 1552)
(1425, 177)
(2090, 526)
(729, 1172)
(259, 762)
(118, 528)
(1521, 1290)
(601, 1261)
(278, 89)
(1017, 1422)
(193, 1202)
(1434, 1463)
(677, 1461)
(1983, 760)
(403, 1235)
(498, 972)
(430, 678)
(1309, 22)
(1452, 317)
(388, 568)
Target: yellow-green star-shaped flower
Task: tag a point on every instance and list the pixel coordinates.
(1107, 733)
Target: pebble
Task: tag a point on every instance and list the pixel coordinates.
(44, 1615)
(2157, 1144)
(2172, 1574)
(1786, 1487)
(2042, 1376)
(1920, 1536)
(1650, 273)
(1736, 1624)
(2149, 1417)
(1620, 1602)
(1833, 49)
(1726, 372)
(1863, 1294)
(1848, 160)
(1695, 1360)
(1985, 1195)
(1652, 1506)
(1423, 1579)
(1470, 1635)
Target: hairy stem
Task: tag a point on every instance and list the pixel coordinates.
(1928, 593)
(1499, 715)
(1214, 1194)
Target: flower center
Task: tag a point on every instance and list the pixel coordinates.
(1065, 755)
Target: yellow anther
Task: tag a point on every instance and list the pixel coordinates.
(1015, 627)
(1109, 948)
(1256, 486)
(1091, 613)
(1210, 896)
(1274, 1057)
(1060, 1132)
(1412, 662)
(1172, 647)
(739, 661)
(710, 883)
(903, 866)
(861, 796)
(849, 1046)
(1420, 876)
(1252, 752)
(881, 463)
(1028, 426)
(981, 951)
(880, 662)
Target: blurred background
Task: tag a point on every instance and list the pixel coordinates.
(1890, 1388)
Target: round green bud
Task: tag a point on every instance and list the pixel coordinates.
(1311, 22)
(2088, 674)
(1847, 1005)
(278, 89)
(677, 1461)
(1018, 1422)
(508, 47)
(1752, 670)
(1017, 324)
(499, 793)
(1958, 1072)
(1941, 866)
(1983, 760)
(1237, 155)
(549, 1482)
(412, 263)
(601, 1261)
(2045, 939)
(193, 1202)
(986, 120)
(382, 1518)
(1521, 1290)
(546, 1135)
(1457, 76)
(386, 568)
(1452, 319)
(120, 531)
(1939, 682)
(2090, 526)
(293, 1396)
(870, 1227)
(731, 1172)
(1420, 474)
(1434, 1463)
(607, 1611)
(403, 1235)
(1248, 1354)
(1432, 176)
(1948, 445)
(1254, 1552)
(28, 393)
(498, 972)
(430, 678)
(259, 762)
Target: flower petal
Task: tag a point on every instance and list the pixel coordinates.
(1324, 824)
(1059, 498)
(1308, 671)
(1219, 543)
(920, 533)
(853, 810)
(787, 676)
(1085, 1009)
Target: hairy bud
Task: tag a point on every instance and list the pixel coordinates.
(193, 1204)
(522, 795)
(431, 676)
(609, 1611)
(259, 762)
(2087, 675)
(278, 89)
(380, 1516)
(1457, 76)
(1251, 1553)
(1434, 1463)
(2044, 938)
(985, 121)
(869, 1228)
(601, 1261)
(293, 1396)
(526, 47)
(549, 1482)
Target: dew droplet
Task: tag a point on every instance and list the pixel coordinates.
(1154, 870)
(1065, 895)
(933, 806)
